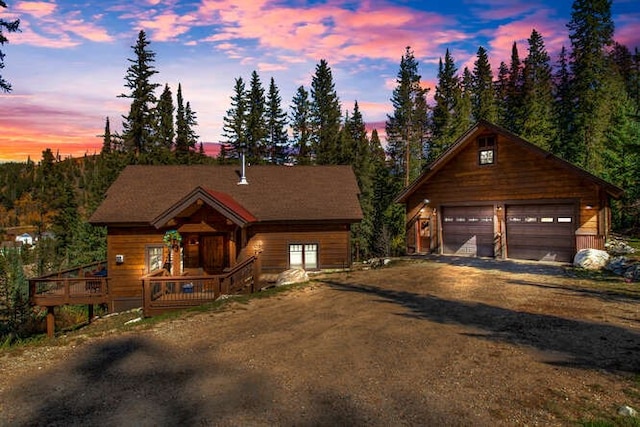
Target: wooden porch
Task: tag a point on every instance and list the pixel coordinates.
(162, 293)
(82, 285)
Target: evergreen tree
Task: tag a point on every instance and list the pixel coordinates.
(301, 126)
(138, 125)
(502, 95)
(191, 120)
(483, 95)
(564, 145)
(325, 115)
(235, 127)
(165, 132)
(256, 123)
(276, 126)
(465, 112)
(106, 138)
(538, 124)
(182, 128)
(9, 27)
(445, 124)
(406, 128)
(591, 32)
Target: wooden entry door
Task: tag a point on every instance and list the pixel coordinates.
(424, 233)
(213, 253)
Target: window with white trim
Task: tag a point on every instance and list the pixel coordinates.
(303, 255)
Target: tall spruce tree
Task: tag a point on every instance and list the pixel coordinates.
(235, 121)
(501, 86)
(591, 32)
(326, 115)
(256, 121)
(407, 127)
(538, 124)
(301, 127)
(483, 95)
(165, 132)
(445, 124)
(9, 27)
(277, 139)
(191, 120)
(138, 125)
(106, 138)
(181, 144)
(564, 144)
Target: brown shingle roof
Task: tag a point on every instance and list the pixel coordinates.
(275, 193)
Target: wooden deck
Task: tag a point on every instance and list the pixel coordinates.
(165, 293)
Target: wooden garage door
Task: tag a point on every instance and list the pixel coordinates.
(468, 230)
(540, 232)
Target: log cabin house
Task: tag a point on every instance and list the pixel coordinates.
(493, 194)
(219, 217)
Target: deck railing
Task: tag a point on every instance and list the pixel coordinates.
(78, 285)
(164, 293)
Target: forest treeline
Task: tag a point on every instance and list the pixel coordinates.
(583, 106)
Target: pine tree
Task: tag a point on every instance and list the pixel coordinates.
(564, 145)
(106, 138)
(182, 127)
(138, 125)
(591, 32)
(301, 126)
(464, 117)
(191, 120)
(235, 127)
(276, 126)
(325, 115)
(165, 132)
(538, 125)
(445, 124)
(483, 95)
(406, 128)
(501, 86)
(256, 124)
(10, 27)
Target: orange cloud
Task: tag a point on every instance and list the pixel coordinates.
(38, 9)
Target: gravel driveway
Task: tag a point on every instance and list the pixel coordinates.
(437, 341)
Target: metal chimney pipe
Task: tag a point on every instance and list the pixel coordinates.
(243, 176)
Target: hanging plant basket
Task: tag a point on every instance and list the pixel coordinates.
(172, 239)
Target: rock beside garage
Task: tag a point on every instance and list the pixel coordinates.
(591, 259)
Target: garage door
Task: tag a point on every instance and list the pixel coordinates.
(468, 230)
(540, 232)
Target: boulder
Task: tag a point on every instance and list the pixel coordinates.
(627, 411)
(618, 265)
(618, 247)
(294, 275)
(632, 274)
(591, 259)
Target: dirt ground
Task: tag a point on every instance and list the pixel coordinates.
(441, 341)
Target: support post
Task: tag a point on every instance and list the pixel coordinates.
(51, 322)
(90, 312)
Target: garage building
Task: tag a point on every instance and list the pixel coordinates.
(493, 194)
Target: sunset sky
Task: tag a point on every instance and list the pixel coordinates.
(68, 63)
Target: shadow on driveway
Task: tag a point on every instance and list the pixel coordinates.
(585, 344)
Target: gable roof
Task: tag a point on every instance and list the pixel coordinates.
(147, 194)
(483, 126)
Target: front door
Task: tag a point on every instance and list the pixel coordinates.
(425, 235)
(213, 253)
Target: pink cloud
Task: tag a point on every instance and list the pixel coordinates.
(41, 25)
(37, 9)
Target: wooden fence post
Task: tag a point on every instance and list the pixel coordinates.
(51, 321)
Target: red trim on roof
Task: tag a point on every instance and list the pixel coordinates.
(229, 202)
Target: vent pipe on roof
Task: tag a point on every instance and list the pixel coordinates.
(243, 176)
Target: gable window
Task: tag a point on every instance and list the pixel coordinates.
(303, 256)
(487, 150)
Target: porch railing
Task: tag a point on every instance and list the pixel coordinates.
(164, 293)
